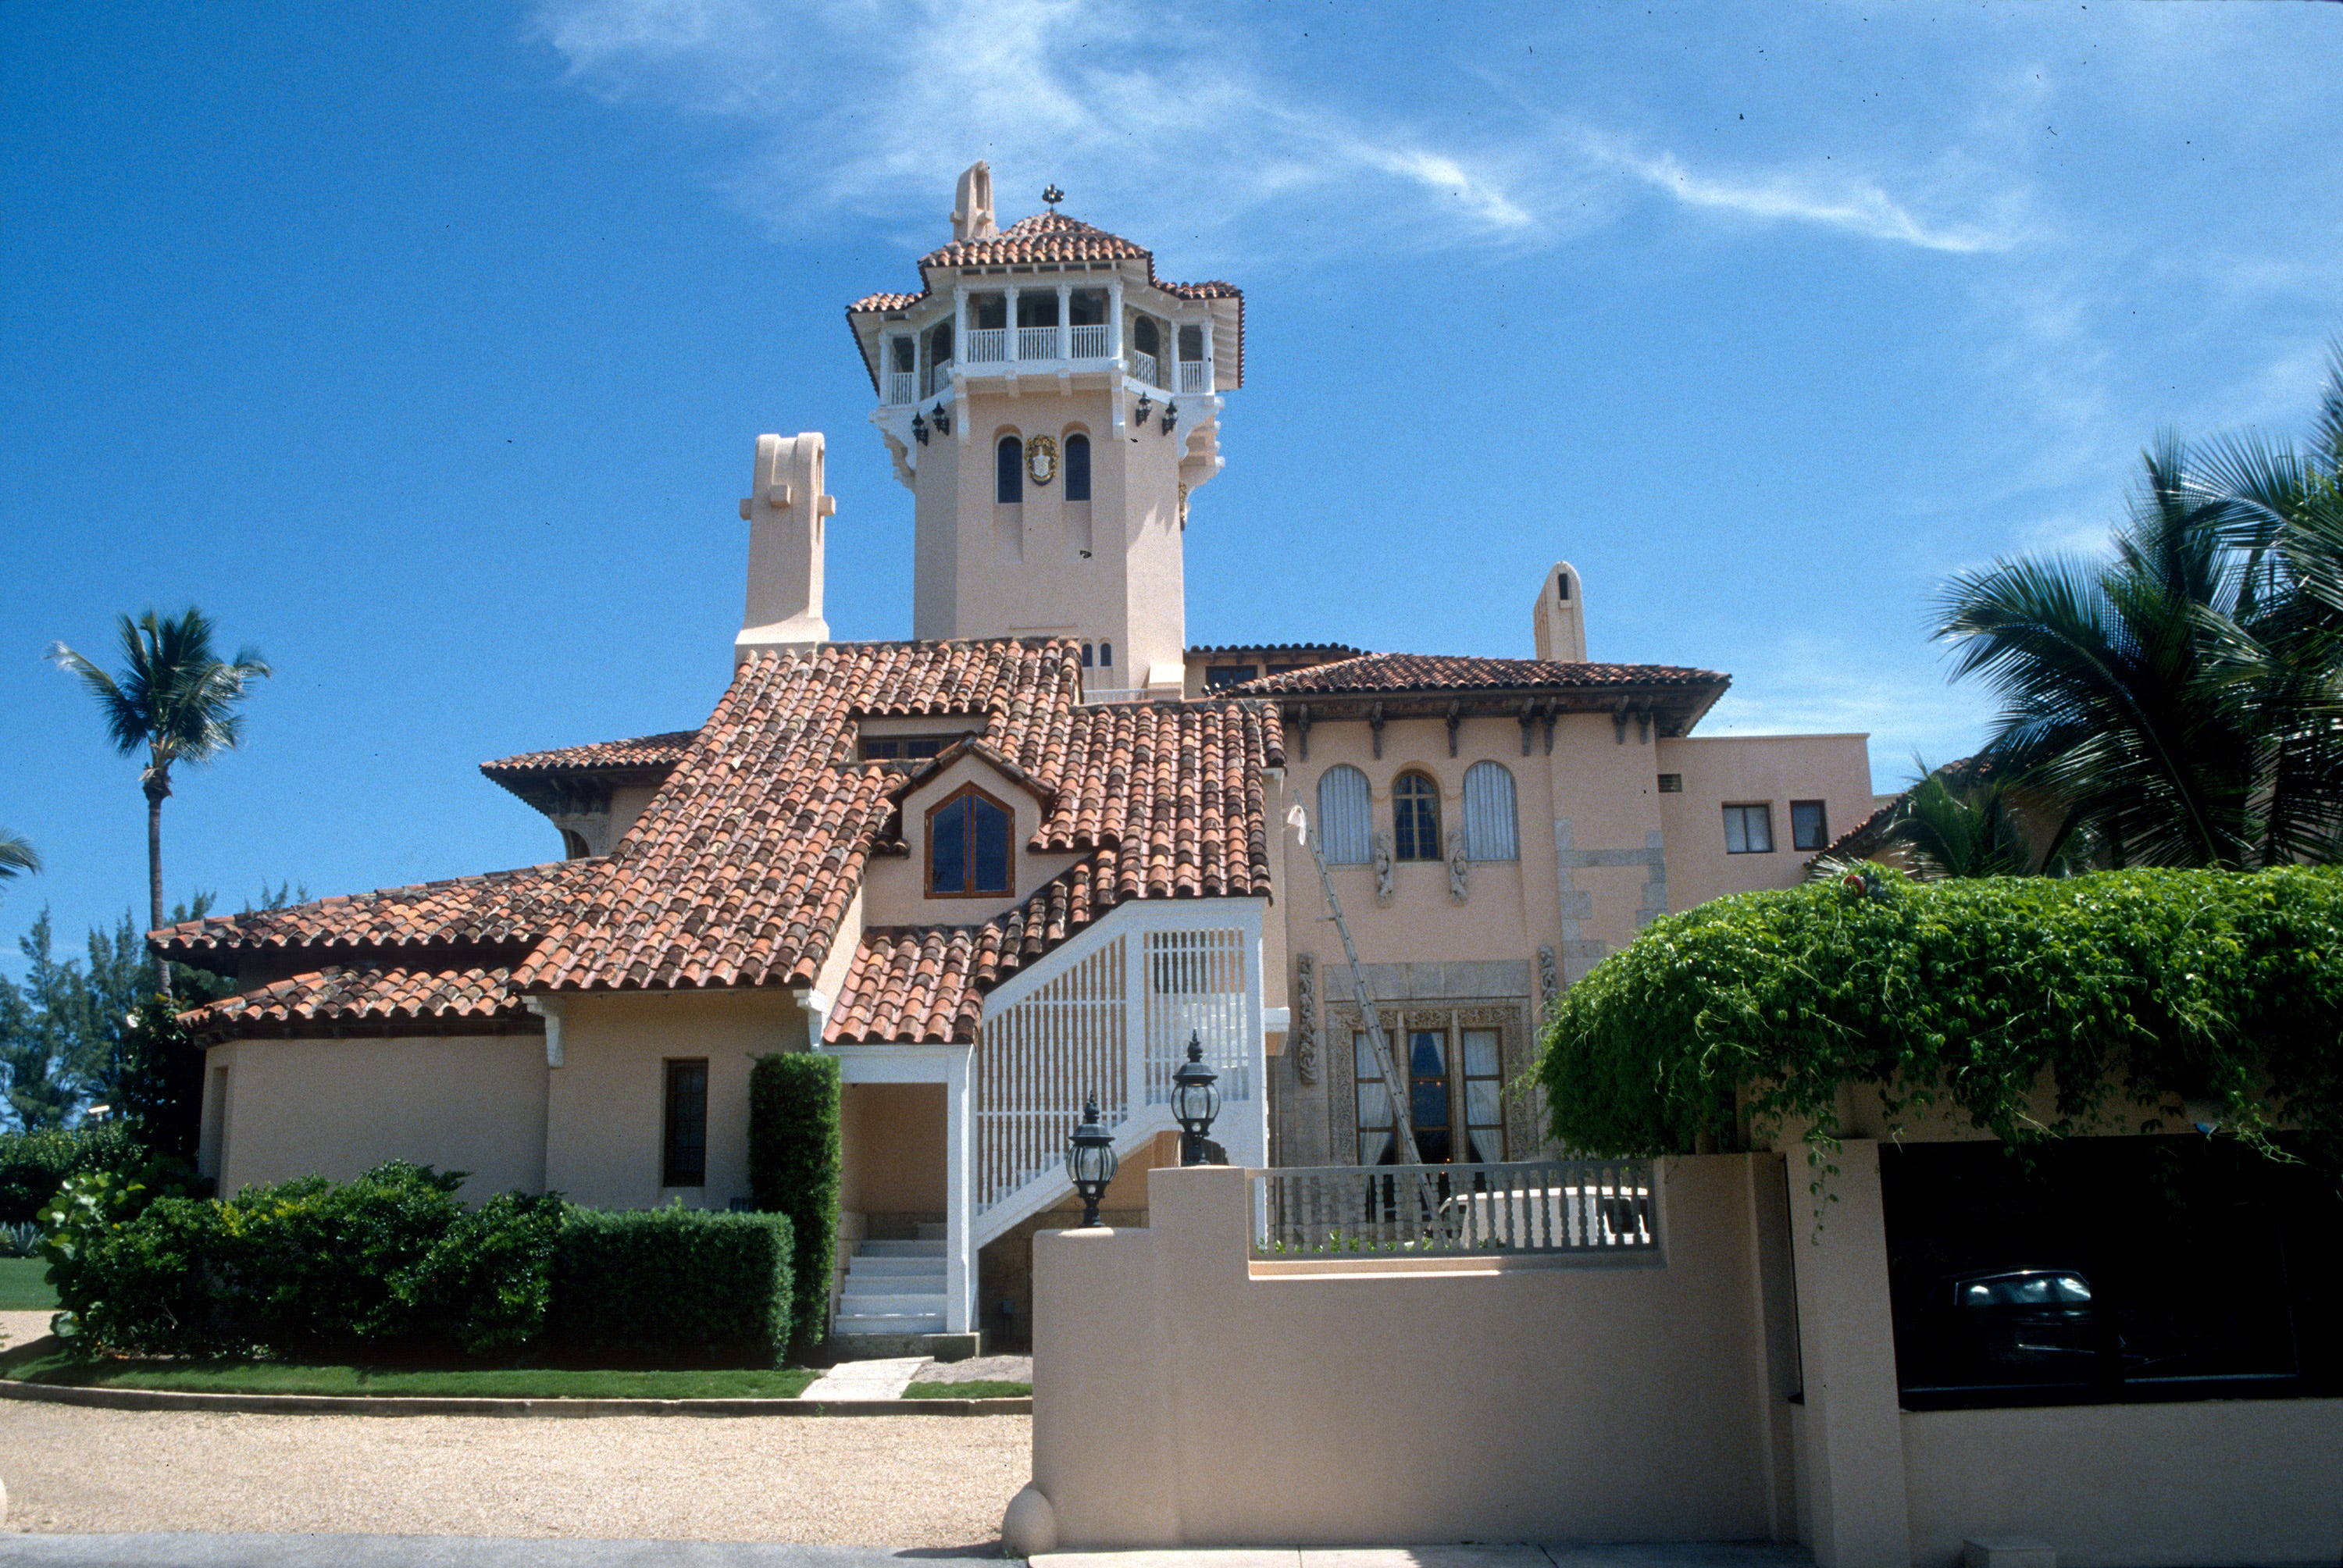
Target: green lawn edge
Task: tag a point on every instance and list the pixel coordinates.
(979, 1389)
(24, 1286)
(253, 1377)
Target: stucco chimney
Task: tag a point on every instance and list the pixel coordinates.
(972, 215)
(788, 515)
(1560, 618)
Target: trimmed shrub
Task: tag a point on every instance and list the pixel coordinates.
(32, 1165)
(161, 1084)
(793, 1169)
(389, 1261)
(2148, 988)
(680, 1284)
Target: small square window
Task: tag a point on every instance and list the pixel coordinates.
(1809, 825)
(1217, 676)
(1671, 783)
(1749, 829)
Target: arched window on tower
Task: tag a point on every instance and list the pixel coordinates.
(1489, 829)
(1106, 656)
(1077, 466)
(1008, 471)
(1415, 818)
(1344, 816)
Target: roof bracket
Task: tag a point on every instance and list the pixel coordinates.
(1375, 723)
(1302, 727)
(1549, 729)
(1619, 725)
(1455, 722)
(1528, 718)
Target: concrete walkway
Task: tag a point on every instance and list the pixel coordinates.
(188, 1550)
(866, 1379)
(1753, 1554)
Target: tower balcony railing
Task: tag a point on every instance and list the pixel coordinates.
(1089, 342)
(935, 378)
(1142, 366)
(1037, 343)
(1191, 376)
(987, 346)
(901, 385)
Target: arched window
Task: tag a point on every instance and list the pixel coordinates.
(574, 846)
(1144, 338)
(1077, 466)
(1344, 816)
(1008, 471)
(1415, 818)
(1106, 656)
(1090, 656)
(969, 848)
(1489, 830)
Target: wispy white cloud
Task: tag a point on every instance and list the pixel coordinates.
(1846, 201)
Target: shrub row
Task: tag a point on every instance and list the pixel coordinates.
(32, 1165)
(392, 1264)
(794, 1156)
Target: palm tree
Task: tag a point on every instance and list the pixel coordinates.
(17, 856)
(1958, 833)
(2184, 701)
(177, 700)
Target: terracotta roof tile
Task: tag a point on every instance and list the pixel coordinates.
(501, 908)
(338, 993)
(643, 752)
(1444, 672)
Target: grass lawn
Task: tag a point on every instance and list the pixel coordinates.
(972, 1390)
(24, 1286)
(476, 1383)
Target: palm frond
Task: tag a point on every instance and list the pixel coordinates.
(17, 856)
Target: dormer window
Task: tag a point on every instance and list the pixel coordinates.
(969, 852)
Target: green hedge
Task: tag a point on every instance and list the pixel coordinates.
(391, 1264)
(2143, 988)
(673, 1283)
(34, 1164)
(793, 1169)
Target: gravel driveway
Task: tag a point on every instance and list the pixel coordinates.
(899, 1481)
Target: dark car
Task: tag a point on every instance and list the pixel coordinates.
(2017, 1325)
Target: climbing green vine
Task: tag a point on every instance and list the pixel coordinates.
(2149, 990)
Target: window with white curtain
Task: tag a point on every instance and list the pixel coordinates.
(1489, 830)
(1344, 816)
(1378, 1129)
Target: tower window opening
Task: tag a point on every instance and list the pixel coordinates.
(1037, 309)
(1144, 338)
(905, 353)
(1106, 656)
(1086, 307)
(1415, 818)
(1192, 344)
(940, 344)
(989, 311)
(1561, 586)
(1089, 657)
(1077, 466)
(1008, 471)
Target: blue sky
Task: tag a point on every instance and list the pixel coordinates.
(425, 347)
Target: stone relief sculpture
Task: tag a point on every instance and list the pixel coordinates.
(1549, 982)
(1460, 869)
(1305, 1017)
(1386, 890)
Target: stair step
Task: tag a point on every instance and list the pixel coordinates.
(863, 1264)
(899, 1249)
(889, 1323)
(896, 1285)
(918, 1305)
(933, 1230)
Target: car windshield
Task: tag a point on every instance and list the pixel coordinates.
(2029, 1290)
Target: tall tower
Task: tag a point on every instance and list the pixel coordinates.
(1051, 405)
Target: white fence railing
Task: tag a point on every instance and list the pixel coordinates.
(987, 344)
(1038, 1061)
(1089, 342)
(1093, 695)
(1037, 343)
(1574, 1206)
(936, 376)
(1191, 376)
(901, 385)
(1142, 366)
(1196, 988)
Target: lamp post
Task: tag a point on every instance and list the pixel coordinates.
(1091, 1160)
(1195, 1101)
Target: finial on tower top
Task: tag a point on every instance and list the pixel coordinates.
(972, 215)
(1053, 195)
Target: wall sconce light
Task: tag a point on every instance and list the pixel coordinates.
(1171, 416)
(942, 420)
(1145, 403)
(1091, 1160)
(920, 429)
(1195, 1101)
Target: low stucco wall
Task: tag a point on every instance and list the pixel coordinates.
(1186, 1396)
(335, 1108)
(2143, 1485)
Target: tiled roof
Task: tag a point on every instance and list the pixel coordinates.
(1343, 648)
(501, 908)
(642, 751)
(1045, 237)
(742, 866)
(351, 993)
(1443, 672)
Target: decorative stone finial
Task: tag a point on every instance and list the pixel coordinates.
(1053, 195)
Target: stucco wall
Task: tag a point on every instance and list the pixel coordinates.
(335, 1108)
(1745, 769)
(603, 1122)
(893, 1148)
(1185, 1396)
(2245, 1481)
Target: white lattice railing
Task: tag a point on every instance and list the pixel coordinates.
(1142, 365)
(938, 374)
(1110, 1013)
(1191, 376)
(1037, 343)
(900, 386)
(987, 344)
(1089, 342)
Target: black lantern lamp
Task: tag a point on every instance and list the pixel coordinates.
(1145, 403)
(1195, 1101)
(1171, 416)
(942, 420)
(920, 429)
(1089, 1159)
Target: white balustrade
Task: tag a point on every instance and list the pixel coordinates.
(1196, 987)
(1575, 1206)
(1037, 343)
(1089, 342)
(1142, 365)
(1038, 1059)
(899, 385)
(987, 346)
(937, 378)
(1191, 376)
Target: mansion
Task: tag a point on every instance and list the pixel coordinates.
(1023, 856)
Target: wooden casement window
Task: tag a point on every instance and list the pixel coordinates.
(1809, 825)
(1415, 818)
(1450, 1126)
(684, 1162)
(970, 851)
